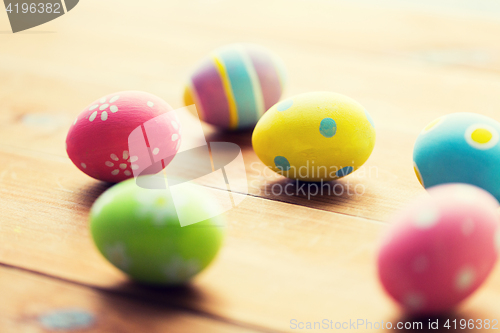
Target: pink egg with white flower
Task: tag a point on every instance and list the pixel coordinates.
(98, 140)
(440, 249)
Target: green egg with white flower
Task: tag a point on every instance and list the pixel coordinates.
(139, 231)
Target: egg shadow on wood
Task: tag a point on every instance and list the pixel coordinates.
(136, 308)
(185, 294)
(89, 193)
(339, 192)
(435, 323)
(241, 138)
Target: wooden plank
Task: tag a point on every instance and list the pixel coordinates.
(36, 303)
(368, 26)
(41, 96)
(405, 76)
(386, 182)
(280, 262)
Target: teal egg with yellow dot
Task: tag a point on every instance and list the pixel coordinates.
(459, 148)
(138, 231)
(316, 136)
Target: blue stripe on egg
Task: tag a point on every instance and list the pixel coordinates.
(242, 87)
(370, 119)
(285, 105)
(345, 171)
(282, 163)
(328, 127)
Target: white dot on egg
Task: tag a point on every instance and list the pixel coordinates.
(102, 100)
(133, 159)
(492, 142)
(414, 301)
(175, 125)
(92, 116)
(178, 145)
(156, 151)
(125, 154)
(127, 173)
(74, 123)
(175, 136)
(93, 107)
(151, 104)
(433, 125)
(114, 99)
(134, 166)
(114, 157)
(113, 108)
(103, 107)
(115, 172)
(467, 226)
(123, 166)
(104, 116)
(465, 278)
(426, 218)
(84, 165)
(110, 164)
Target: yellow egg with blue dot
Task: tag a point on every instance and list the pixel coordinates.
(459, 148)
(316, 136)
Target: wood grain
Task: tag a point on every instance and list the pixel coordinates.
(287, 256)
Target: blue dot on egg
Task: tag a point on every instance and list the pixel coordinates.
(282, 163)
(328, 127)
(285, 105)
(345, 171)
(370, 119)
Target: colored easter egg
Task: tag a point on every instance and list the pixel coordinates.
(459, 148)
(317, 136)
(98, 140)
(138, 231)
(235, 85)
(441, 248)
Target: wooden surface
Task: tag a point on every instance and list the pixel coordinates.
(286, 257)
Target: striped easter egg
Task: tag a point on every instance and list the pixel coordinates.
(235, 85)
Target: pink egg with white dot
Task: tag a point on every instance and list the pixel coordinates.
(98, 140)
(440, 249)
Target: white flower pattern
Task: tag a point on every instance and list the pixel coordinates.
(103, 107)
(123, 166)
(156, 204)
(178, 270)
